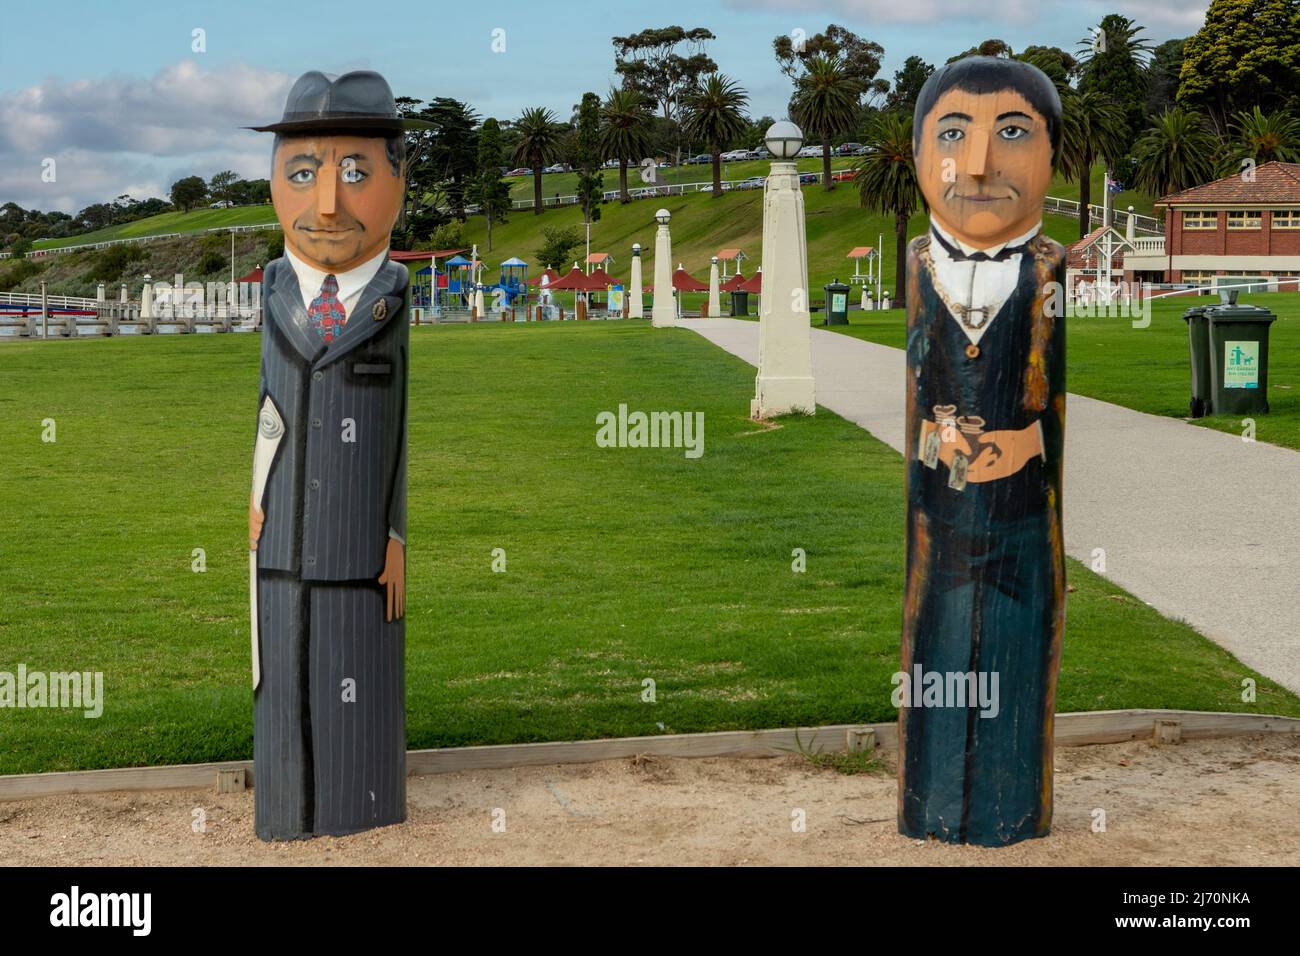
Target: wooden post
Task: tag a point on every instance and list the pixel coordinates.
(984, 605)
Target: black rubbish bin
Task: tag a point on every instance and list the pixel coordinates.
(739, 303)
(836, 303)
(1198, 344)
(1238, 339)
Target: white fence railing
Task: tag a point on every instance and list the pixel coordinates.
(55, 250)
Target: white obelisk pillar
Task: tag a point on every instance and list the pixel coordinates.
(715, 300)
(663, 313)
(635, 307)
(785, 380)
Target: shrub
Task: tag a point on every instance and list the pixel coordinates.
(211, 261)
(15, 273)
(274, 246)
(112, 262)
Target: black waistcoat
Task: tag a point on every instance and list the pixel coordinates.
(991, 385)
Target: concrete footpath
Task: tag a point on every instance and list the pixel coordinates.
(1199, 524)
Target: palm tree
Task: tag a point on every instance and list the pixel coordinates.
(886, 179)
(1177, 152)
(825, 104)
(624, 131)
(714, 112)
(539, 141)
(1263, 137)
(1092, 127)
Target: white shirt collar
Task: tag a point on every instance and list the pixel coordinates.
(990, 250)
(351, 283)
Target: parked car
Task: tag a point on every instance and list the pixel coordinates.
(760, 153)
(809, 152)
(700, 160)
(806, 178)
(521, 171)
(753, 182)
(842, 176)
(863, 150)
(557, 168)
(610, 164)
(221, 204)
(846, 149)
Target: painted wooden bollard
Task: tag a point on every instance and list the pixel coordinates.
(984, 605)
(327, 512)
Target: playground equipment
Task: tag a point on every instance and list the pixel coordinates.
(513, 281)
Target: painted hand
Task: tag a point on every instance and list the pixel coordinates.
(255, 518)
(1003, 453)
(394, 579)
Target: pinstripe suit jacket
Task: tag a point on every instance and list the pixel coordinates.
(338, 482)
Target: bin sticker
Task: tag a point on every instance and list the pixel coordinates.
(1241, 365)
(839, 301)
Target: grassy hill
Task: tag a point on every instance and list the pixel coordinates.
(701, 226)
(196, 220)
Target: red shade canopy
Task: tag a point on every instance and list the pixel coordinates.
(578, 281)
(684, 282)
(550, 274)
(254, 276)
(733, 284)
(408, 256)
(753, 284)
(601, 276)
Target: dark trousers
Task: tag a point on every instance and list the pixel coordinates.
(329, 726)
(987, 606)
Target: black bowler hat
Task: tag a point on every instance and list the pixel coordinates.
(361, 102)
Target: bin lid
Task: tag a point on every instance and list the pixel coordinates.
(1238, 313)
(1195, 312)
(836, 286)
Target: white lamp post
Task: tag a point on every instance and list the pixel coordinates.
(715, 300)
(663, 314)
(635, 308)
(785, 381)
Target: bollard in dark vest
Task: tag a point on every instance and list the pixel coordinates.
(984, 607)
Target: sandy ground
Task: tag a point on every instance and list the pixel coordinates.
(1232, 801)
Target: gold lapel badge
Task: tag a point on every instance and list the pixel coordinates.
(380, 310)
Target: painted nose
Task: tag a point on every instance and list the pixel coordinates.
(978, 152)
(326, 184)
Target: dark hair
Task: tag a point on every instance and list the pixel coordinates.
(992, 74)
(394, 146)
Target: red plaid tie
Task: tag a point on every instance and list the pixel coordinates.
(326, 312)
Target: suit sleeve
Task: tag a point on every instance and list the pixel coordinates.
(1053, 417)
(397, 483)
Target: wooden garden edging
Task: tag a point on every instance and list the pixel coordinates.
(1072, 730)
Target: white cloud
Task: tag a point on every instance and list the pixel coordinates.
(114, 135)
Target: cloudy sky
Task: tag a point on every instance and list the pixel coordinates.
(126, 97)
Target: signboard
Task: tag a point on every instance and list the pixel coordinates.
(1241, 365)
(615, 298)
(839, 302)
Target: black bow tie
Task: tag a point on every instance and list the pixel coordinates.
(1003, 254)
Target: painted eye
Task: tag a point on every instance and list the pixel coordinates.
(302, 176)
(951, 135)
(1013, 132)
(351, 174)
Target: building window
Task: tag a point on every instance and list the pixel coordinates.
(1198, 278)
(1199, 219)
(1286, 219)
(1245, 219)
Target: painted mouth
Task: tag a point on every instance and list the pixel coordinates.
(982, 197)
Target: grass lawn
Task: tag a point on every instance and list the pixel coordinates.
(622, 564)
(1149, 369)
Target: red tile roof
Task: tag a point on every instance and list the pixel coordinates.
(1274, 183)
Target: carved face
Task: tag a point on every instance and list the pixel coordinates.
(984, 164)
(336, 197)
